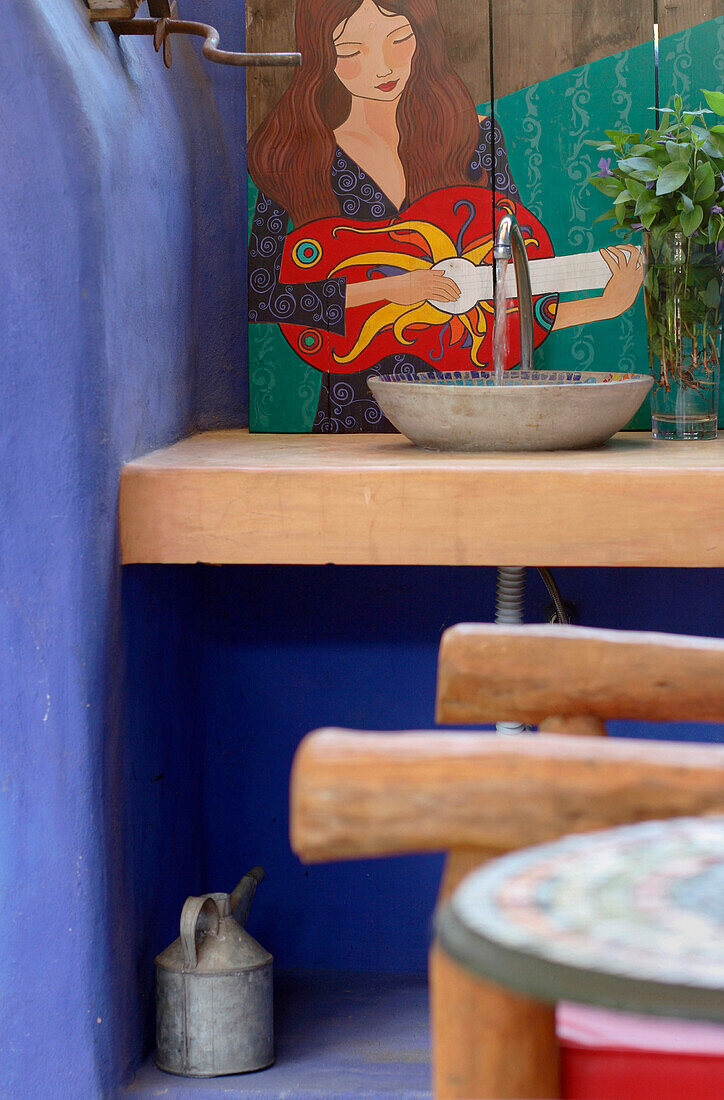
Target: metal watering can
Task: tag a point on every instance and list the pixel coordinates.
(214, 990)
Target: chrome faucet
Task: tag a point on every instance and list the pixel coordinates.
(509, 245)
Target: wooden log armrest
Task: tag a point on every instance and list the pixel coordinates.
(355, 795)
(489, 673)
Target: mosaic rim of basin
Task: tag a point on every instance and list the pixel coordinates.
(513, 378)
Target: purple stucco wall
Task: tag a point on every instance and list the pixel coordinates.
(120, 323)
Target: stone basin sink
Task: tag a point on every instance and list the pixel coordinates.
(532, 411)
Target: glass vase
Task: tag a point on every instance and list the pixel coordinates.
(683, 301)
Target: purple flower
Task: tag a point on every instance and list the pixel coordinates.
(717, 209)
(605, 165)
(650, 184)
(636, 225)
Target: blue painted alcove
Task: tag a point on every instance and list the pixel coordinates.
(148, 722)
(287, 649)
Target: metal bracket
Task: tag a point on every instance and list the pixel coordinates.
(164, 22)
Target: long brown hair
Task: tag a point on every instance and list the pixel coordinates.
(290, 156)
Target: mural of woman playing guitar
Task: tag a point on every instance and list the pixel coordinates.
(374, 170)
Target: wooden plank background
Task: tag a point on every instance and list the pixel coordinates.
(532, 41)
(677, 15)
(269, 27)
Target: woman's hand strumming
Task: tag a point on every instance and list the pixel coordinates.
(410, 289)
(421, 286)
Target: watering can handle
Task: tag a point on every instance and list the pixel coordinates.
(243, 895)
(198, 915)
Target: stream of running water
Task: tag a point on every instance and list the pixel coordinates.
(500, 324)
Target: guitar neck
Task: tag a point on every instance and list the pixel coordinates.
(557, 275)
(562, 274)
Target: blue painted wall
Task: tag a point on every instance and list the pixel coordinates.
(120, 294)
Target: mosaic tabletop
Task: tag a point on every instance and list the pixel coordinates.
(626, 918)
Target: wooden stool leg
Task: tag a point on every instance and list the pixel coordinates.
(488, 1044)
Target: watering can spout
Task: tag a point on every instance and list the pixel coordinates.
(243, 894)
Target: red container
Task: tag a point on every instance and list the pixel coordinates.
(621, 1056)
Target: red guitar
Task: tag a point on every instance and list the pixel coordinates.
(451, 231)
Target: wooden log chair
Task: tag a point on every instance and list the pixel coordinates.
(477, 795)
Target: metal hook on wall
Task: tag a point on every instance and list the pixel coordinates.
(164, 21)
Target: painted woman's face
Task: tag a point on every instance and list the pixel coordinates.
(374, 52)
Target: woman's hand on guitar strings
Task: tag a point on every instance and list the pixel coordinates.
(625, 263)
(627, 275)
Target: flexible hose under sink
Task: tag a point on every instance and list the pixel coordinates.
(509, 599)
(561, 612)
(509, 596)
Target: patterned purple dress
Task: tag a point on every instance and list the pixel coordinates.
(345, 402)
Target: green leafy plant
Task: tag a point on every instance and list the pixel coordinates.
(669, 179)
(669, 182)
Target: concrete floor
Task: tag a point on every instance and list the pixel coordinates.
(338, 1036)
